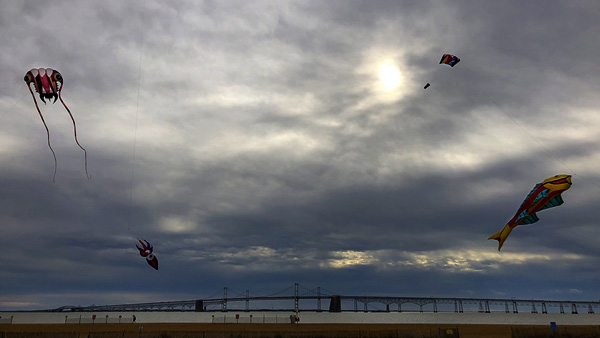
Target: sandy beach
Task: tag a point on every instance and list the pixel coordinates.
(187, 330)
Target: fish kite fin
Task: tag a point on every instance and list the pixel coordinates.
(501, 235)
(554, 202)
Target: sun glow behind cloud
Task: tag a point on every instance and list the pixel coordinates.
(383, 78)
(389, 75)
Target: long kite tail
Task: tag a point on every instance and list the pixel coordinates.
(75, 132)
(47, 132)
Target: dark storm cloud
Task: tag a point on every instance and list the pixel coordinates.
(267, 153)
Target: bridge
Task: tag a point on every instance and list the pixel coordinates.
(312, 300)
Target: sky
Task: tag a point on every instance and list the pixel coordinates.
(266, 143)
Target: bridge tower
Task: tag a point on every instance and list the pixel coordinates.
(224, 303)
(296, 299)
(247, 301)
(318, 299)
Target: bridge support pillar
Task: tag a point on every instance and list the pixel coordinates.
(318, 299)
(224, 303)
(335, 304)
(296, 298)
(199, 306)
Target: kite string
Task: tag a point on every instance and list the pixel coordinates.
(548, 151)
(533, 138)
(137, 107)
(47, 133)
(75, 133)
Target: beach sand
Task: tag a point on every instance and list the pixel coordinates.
(203, 330)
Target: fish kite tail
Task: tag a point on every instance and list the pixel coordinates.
(501, 235)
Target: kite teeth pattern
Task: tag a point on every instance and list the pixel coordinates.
(48, 83)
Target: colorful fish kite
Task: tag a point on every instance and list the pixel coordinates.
(48, 83)
(543, 196)
(146, 251)
(450, 60)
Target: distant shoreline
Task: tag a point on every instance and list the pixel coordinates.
(283, 317)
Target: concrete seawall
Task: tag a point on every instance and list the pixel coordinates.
(305, 318)
(310, 325)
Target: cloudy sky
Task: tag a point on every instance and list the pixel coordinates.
(258, 144)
